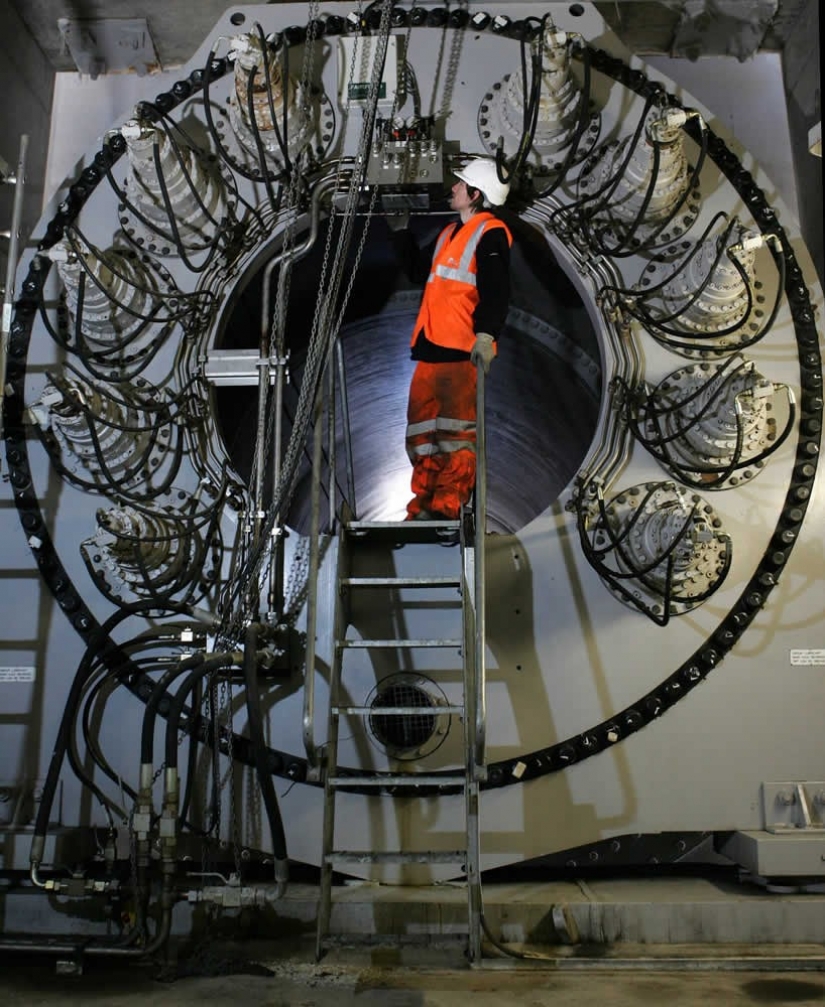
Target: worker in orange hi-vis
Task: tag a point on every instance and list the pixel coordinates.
(462, 313)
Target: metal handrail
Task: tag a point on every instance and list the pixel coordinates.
(11, 262)
(336, 370)
(479, 586)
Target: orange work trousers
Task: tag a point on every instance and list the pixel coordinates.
(441, 437)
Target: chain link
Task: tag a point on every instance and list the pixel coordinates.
(227, 713)
(276, 344)
(326, 323)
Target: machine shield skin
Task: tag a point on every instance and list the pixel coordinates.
(241, 659)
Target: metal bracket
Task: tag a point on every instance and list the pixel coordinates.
(794, 806)
(239, 367)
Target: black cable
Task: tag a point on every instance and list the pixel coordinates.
(99, 647)
(631, 228)
(90, 739)
(120, 483)
(641, 572)
(281, 138)
(680, 404)
(191, 762)
(256, 133)
(177, 241)
(581, 125)
(150, 711)
(232, 187)
(610, 184)
(651, 187)
(643, 295)
(213, 131)
(124, 374)
(165, 122)
(173, 581)
(174, 238)
(76, 237)
(693, 181)
(658, 445)
(254, 707)
(531, 103)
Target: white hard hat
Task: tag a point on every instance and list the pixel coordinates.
(482, 174)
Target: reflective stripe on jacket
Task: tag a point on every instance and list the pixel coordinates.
(451, 295)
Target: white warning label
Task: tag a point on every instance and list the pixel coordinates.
(808, 656)
(21, 674)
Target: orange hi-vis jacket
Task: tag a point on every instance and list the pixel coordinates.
(450, 295)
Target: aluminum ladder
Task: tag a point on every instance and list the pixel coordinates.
(357, 537)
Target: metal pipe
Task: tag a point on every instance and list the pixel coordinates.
(121, 950)
(263, 386)
(321, 189)
(276, 587)
(11, 263)
(695, 963)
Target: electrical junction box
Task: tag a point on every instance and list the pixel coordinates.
(356, 64)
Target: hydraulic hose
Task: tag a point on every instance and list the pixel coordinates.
(147, 735)
(254, 708)
(99, 646)
(225, 660)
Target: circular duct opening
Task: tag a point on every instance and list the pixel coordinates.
(407, 735)
(542, 393)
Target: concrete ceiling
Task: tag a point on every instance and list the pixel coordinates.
(689, 28)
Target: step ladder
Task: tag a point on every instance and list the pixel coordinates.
(359, 537)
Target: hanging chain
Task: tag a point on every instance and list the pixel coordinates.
(227, 720)
(325, 325)
(278, 324)
(211, 697)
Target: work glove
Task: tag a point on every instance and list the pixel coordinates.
(483, 350)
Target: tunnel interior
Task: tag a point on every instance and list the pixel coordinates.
(542, 393)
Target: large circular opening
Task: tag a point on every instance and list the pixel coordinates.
(542, 394)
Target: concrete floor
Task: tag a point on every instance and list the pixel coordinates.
(341, 981)
(727, 944)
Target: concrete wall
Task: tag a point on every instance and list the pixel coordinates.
(26, 85)
(803, 82)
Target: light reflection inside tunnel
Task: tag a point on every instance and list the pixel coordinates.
(542, 394)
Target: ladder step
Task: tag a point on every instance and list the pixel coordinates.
(400, 582)
(396, 857)
(363, 527)
(365, 644)
(396, 711)
(401, 532)
(410, 780)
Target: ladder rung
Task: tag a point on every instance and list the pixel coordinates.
(396, 857)
(401, 532)
(362, 644)
(400, 582)
(411, 780)
(359, 527)
(396, 711)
